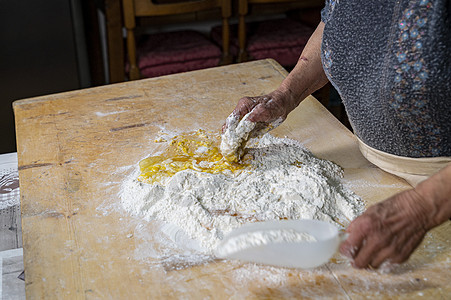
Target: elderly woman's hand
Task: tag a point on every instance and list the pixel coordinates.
(388, 231)
(252, 117)
(391, 230)
(267, 112)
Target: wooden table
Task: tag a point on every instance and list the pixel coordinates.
(76, 148)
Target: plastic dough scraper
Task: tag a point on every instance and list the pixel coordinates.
(285, 243)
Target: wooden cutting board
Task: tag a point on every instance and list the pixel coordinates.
(76, 148)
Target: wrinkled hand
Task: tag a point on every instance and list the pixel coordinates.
(388, 231)
(267, 111)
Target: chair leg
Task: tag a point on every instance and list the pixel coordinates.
(131, 48)
(226, 55)
(242, 54)
(129, 22)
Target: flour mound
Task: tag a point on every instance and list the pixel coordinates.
(285, 181)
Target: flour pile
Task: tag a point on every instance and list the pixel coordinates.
(284, 181)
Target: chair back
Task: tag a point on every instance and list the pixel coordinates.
(133, 9)
(243, 10)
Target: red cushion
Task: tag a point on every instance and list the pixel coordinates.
(178, 67)
(281, 39)
(280, 33)
(285, 56)
(174, 52)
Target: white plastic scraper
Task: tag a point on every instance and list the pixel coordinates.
(286, 243)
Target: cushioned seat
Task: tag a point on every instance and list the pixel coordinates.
(167, 53)
(280, 39)
(174, 52)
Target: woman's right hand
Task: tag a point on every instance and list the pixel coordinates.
(267, 111)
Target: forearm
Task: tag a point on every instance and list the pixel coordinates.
(308, 74)
(436, 191)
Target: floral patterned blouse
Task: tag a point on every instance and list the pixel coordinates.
(390, 61)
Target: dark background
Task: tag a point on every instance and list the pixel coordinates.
(43, 51)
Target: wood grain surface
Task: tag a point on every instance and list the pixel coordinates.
(75, 150)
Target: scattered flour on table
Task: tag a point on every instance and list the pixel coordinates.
(285, 181)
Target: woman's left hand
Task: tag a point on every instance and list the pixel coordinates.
(388, 231)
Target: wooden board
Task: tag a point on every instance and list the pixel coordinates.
(76, 148)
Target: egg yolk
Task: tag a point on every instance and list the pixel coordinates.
(197, 151)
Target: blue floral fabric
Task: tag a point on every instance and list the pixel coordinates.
(390, 61)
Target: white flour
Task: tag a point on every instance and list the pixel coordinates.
(235, 136)
(237, 133)
(260, 238)
(286, 182)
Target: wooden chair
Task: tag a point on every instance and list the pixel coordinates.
(252, 47)
(133, 9)
(243, 10)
